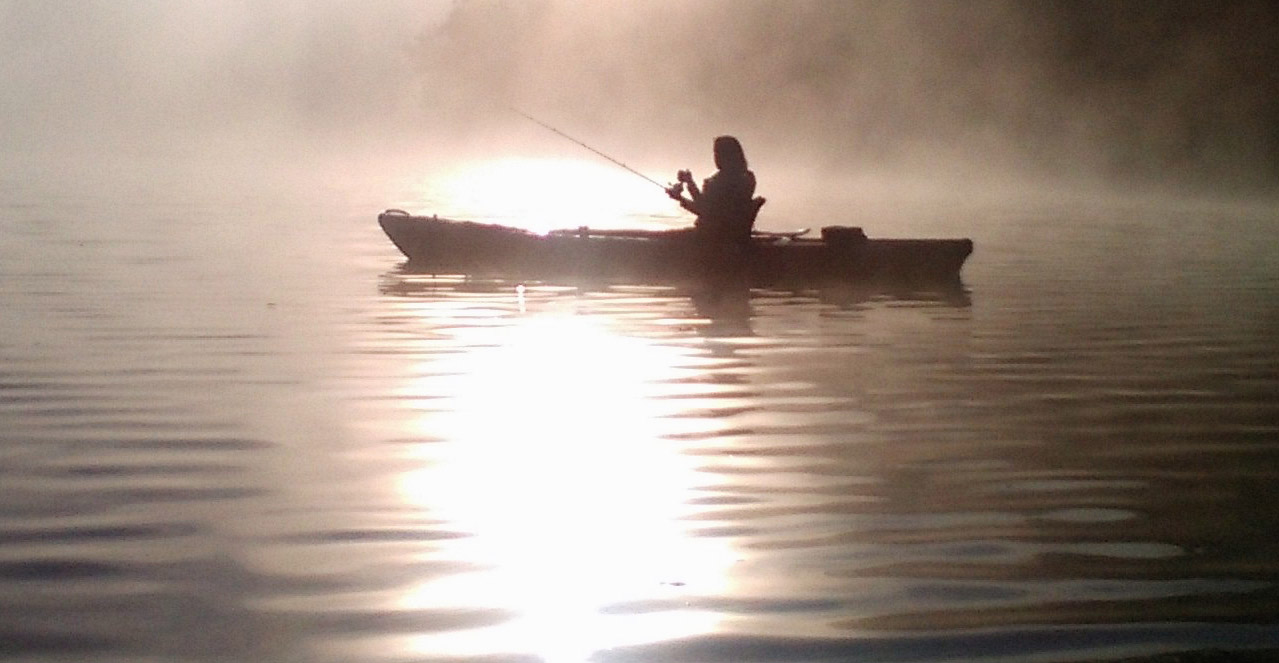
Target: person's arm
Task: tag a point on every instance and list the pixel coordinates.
(676, 192)
(686, 177)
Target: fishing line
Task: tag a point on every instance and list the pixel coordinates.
(564, 135)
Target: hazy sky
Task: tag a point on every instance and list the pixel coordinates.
(1153, 88)
(112, 71)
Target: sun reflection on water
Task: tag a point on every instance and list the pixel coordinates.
(555, 464)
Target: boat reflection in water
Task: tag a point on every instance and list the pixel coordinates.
(565, 440)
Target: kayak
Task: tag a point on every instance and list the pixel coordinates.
(842, 254)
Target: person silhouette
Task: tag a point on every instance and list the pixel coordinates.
(725, 204)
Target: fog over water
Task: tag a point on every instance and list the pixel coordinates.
(1159, 93)
(235, 425)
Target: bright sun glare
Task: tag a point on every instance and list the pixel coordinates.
(554, 463)
(546, 194)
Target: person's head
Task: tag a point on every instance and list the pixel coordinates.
(729, 155)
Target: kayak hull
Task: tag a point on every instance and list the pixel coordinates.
(444, 246)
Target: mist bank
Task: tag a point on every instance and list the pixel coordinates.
(1132, 91)
(151, 76)
(1135, 92)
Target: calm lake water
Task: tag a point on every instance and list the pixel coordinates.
(232, 428)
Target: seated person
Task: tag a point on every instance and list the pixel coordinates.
(725, 204)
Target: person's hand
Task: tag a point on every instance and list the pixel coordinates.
(675, 190)
(685, 176)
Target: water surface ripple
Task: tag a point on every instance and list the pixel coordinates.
(218, 449)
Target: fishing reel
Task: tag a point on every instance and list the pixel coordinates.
(682, 178)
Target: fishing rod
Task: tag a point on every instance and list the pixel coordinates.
(548, 127)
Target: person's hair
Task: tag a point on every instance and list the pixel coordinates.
(729, 154)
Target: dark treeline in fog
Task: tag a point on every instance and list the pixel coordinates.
(1150, 89)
